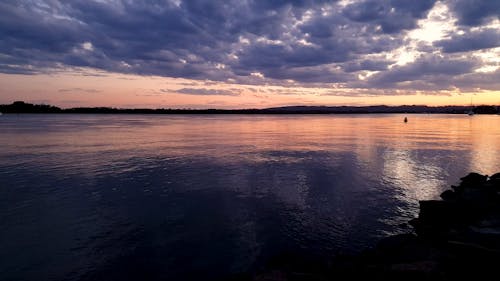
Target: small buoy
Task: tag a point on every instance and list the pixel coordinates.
(406, 120)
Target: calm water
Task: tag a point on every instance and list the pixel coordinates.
(131, 197)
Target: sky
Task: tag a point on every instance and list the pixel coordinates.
(249, 53)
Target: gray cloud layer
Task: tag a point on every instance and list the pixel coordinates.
(308, 41)
(208, 92)
(474, 40)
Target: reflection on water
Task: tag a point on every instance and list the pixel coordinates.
(112, 197)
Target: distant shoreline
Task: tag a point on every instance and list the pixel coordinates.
(22, 107)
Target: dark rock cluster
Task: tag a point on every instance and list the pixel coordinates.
(456, 238)
(471, 209)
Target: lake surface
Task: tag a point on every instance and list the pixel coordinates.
(177, 197)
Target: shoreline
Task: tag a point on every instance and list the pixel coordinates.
(22, 107)
(454, 238)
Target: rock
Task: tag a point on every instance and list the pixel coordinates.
(495, 176)
(493, 221)
(437, 212)
(473, 180)
(494, 230)
(494, 182)
(477, 199)
(449, 195)
(456, 238)
(495, 185)
(471, 249)
(396, 241)
(402, 248)
(463, 228)
(475, 194)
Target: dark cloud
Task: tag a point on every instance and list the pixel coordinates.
(427, 72)
(391, 15)
(478, 81)
(308, 41)
(371, 65)
(474, 40)
(206, 92)
(18, 69)
(475, 12)
(322, 74)
(184, 40)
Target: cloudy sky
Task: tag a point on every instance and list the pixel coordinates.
(249, 53)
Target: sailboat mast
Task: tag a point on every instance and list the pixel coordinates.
(471, 110)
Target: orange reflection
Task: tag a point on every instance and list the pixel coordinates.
(414, 156)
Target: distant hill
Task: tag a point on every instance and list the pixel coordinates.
(22, 107)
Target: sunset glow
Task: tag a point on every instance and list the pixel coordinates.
(181, 54)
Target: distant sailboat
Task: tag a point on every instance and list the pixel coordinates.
(471, 111)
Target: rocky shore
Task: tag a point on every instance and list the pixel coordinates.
(455, 238)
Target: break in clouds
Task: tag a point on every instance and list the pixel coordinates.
(351, 44)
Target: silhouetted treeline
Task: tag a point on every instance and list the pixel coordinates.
(450, 109)
(22, 107)
(486, 109)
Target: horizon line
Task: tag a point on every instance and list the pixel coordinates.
(250, 108)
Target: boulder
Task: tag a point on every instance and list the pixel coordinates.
(449, 195)
(495, 176)
(402, 248)
(437, 212)
(494, 182)
(477, 199)
(473, 180)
